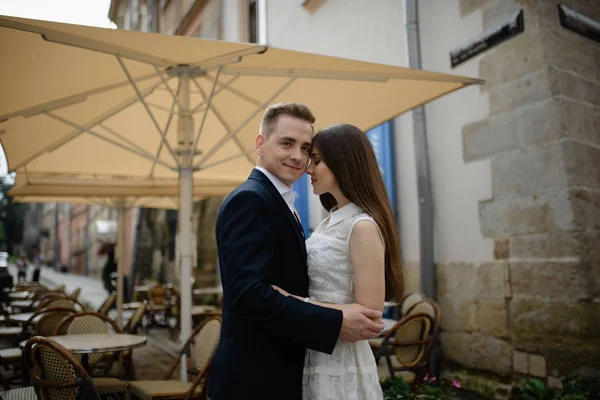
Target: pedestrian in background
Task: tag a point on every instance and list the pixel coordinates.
(22, 267)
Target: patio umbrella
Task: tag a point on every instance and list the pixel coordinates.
(89, 100)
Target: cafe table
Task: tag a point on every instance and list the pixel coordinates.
(18, 295)
(23, 317)
(97, 343)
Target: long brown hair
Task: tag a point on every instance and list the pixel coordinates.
(347, 152)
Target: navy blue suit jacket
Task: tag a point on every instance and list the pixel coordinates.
(265, 334)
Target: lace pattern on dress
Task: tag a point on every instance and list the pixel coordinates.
(349, 373)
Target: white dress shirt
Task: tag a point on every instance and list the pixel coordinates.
(284, 190)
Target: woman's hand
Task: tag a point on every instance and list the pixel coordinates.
(280, 290)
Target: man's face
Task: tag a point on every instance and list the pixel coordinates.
(286, 151)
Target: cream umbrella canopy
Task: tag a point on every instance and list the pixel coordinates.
(90, 100)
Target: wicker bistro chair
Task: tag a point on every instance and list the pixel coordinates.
(132, 327)
(60, 303)
(25, 393)
(57, 374)
(410, 300)
(158, 305)
(90, 323)
(43, 323)
(75, 294)
(108, 304)
(403, 308)
(11, 359)
(406, 348)
(135, 322)
(87, 323)
(199, 349)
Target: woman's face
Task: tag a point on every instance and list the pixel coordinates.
(321, 177)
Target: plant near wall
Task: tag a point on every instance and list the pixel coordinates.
(574, 388)
(395, 389)
(535, 389)
(429, 389)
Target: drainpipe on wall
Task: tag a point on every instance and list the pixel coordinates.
(413, 45)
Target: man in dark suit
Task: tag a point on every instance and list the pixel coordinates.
(265, 334)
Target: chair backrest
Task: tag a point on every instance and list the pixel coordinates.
(409, 301)
(204, 344)
(55, 373)
(200, 349)
(47, 320)
(108, 303)
(75, 294)
(412, 339)
(157, 295)
(136, 320)
(62, 303)
(86, 323)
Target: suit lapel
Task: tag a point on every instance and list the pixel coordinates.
(259, 176)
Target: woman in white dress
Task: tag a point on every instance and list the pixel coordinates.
(353, 257)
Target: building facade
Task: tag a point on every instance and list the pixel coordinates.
(514, 164)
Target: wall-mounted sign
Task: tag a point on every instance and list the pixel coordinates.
(493, 36)
(579, 23)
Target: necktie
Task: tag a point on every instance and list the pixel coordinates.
(298, 221)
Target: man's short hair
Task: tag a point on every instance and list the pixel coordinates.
(271, 115)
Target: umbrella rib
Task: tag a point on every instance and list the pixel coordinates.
(348, 75)
(168, 124)
(222, 121)
(70, 100)
(99, 136)
(223, 87)
(226, 58)
(208, 105)
(123, 138)
(90, 124)
(227, 159)
(142, 100)
(162, 78)
(224, 139)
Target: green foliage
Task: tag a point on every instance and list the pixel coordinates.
(535, 389)
(579, 388)
(399, 389)
(395, 389)
(574, 388)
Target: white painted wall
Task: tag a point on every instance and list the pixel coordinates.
(368, 31)
(374, 31)
(457, 187)
(235, 20)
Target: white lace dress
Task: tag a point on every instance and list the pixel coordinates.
(350, 372)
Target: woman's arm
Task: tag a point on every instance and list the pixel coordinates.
(367, 254)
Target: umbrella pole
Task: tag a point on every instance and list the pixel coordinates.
(186, 140)
(120, 205)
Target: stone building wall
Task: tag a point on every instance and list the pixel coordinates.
(536, 310)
